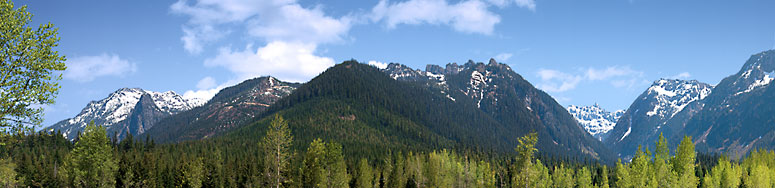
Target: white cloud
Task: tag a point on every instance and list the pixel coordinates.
(271, 20)
(503, 57)
(294, 23)
(285, 61)
(608, 72)
(207, 88)
(470, 16)
(557, 81)
(529, 4)
(87, 68)
(378, 64)
(683, 75)
(206, 83)
(204, 94)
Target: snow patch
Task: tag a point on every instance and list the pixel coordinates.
(629, 129)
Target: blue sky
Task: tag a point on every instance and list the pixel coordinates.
(581, 52)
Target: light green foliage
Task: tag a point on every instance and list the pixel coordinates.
(365, 176)
(623, 178)
(662, 170)
(759, 177)
(313, 169)
(683, 164)
(28, 68)
(91, 162)
(7, 173)
(193, 173)
(640, 169)
(724, 174)
(541, 178)
(415, 170)
(324, 165)
(663, 174)
(336, 169)
(563, 177)
(604, 178)
(584, 178)
(276, 145)
(759, 168)
(524, 164)
(397, 179)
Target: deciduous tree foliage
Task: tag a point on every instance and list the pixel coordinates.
(91, 163)
(28, 65)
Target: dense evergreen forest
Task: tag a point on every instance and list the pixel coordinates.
(95, 160)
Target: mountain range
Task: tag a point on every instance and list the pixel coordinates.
(474, 106)
(114, 112)
(596, 120)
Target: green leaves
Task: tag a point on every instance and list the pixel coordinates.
(29, 68)
(91, 162)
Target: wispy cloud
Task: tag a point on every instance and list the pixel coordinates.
(556, 81)
(683, 75)
(503, 56)
(87, 68)
(273, 20)
(528, 4)
(470, 16)
(617, 76)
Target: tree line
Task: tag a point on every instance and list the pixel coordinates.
(94, 160)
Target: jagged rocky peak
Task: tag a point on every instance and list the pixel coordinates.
(758, 71)
(595, 120)
(672, 95)
(117, 107)
(432, 71)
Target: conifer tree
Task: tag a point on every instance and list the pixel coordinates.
(662, 174)
(584, 178)
(276, 145)
(604, 178)
(623, 178)
(336, 169)
(683, 164)
(524, 170)
(365, 174)
(562, 177)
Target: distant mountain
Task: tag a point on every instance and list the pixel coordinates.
(739, 115)
(596, 120)
(497, 90)
(474, 107)
(229, 108)
(113, 111)
(662, 108)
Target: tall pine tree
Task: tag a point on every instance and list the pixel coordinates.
(276, 145)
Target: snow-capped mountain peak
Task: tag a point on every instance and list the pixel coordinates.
(594, 119)
(117, 107)
(758, 72)
(672, 95)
